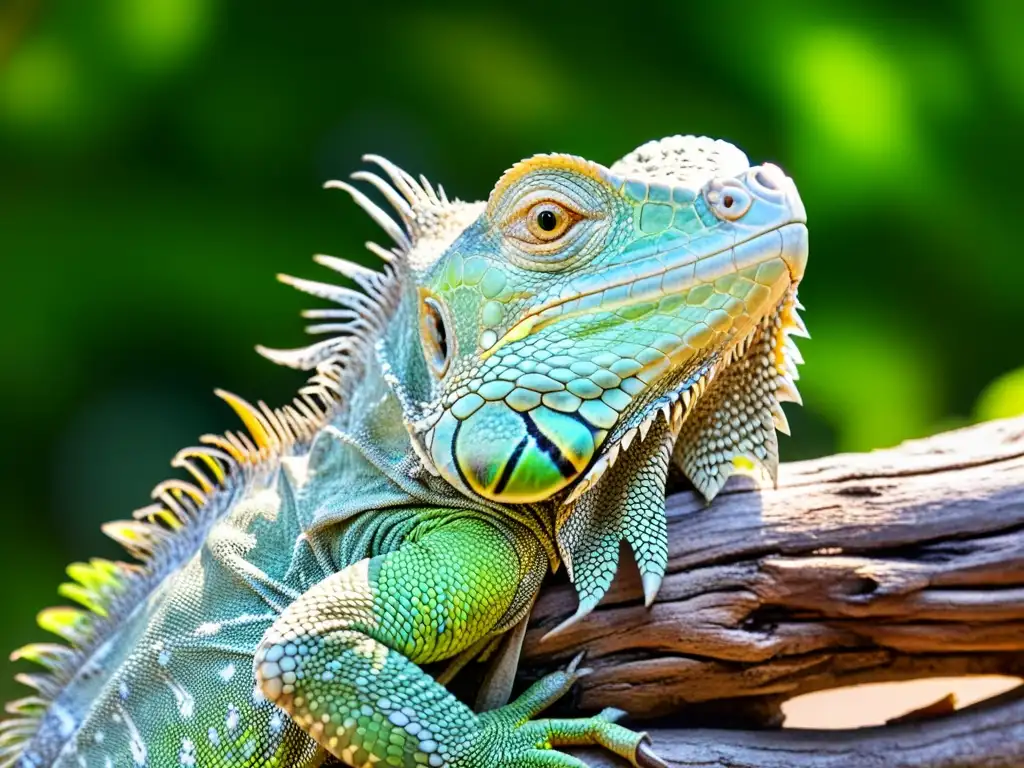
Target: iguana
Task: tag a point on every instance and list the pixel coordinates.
(504, 396)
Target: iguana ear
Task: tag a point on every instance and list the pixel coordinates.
(627, 504)
(731, 428)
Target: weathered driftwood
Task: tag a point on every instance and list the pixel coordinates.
(890, 565)
(988, 735)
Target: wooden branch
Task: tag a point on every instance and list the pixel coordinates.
(989, 735)
(889, 565)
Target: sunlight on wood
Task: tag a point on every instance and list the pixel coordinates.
(876, 703)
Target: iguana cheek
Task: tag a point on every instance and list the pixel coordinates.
(512, 456)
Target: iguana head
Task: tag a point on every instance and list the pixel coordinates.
(583, 302)
(564, 342)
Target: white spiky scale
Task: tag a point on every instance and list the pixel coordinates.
(385, 222)
(349, 269)
(224, 460)
(398, 202)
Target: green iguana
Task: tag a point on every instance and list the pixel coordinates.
(505, 396)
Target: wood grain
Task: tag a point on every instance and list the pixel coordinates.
(891, 565)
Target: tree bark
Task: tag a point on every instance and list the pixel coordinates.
(891, 565)
(989, 735)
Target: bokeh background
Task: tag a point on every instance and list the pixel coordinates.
(161, 160)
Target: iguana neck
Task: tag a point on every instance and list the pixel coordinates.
(375, 453)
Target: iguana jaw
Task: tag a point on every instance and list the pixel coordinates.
(679, 381)
(678, 400)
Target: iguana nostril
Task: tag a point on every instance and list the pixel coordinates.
(770, 177)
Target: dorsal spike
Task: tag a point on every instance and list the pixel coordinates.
(306, 358)
(312, 404)
(402, 180)
(382, 253)
(135, 536)
(211, 459)
(284, 437)
(40, 682)
(253, 420)
(70, 624)
(299, 423)
(795, 325)
(345, 297)
(182, 462)
(787, 391)
(84, 597)
(319, 329)
(303, 407)
(172, 485)
(428, 189)
(177, 502)
(155, 513)
(51, 656)
(330, 314)
(244, 443)
(28, 706)
(317, 390)
(221, 442)
(398, 202)
(389, 225)
(349, 269)
(13, 732)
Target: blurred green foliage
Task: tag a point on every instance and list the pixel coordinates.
(160, 160)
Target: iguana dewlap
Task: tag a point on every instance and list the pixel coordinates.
(505, 396)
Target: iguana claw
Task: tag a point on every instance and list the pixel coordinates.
(646, 757)
(573, 667)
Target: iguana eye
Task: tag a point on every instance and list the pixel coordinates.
(434, 333)
(544, 223)
(548, 221)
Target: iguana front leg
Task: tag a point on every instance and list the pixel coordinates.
(342, 659)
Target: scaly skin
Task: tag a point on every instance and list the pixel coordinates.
(505, 397)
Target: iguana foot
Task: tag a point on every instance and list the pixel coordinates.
(509, 737)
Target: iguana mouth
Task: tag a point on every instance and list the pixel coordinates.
(650, 278)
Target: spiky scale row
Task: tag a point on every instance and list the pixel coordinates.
(365, 313)
(96, 584)
(102, 587)
(219, 464)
